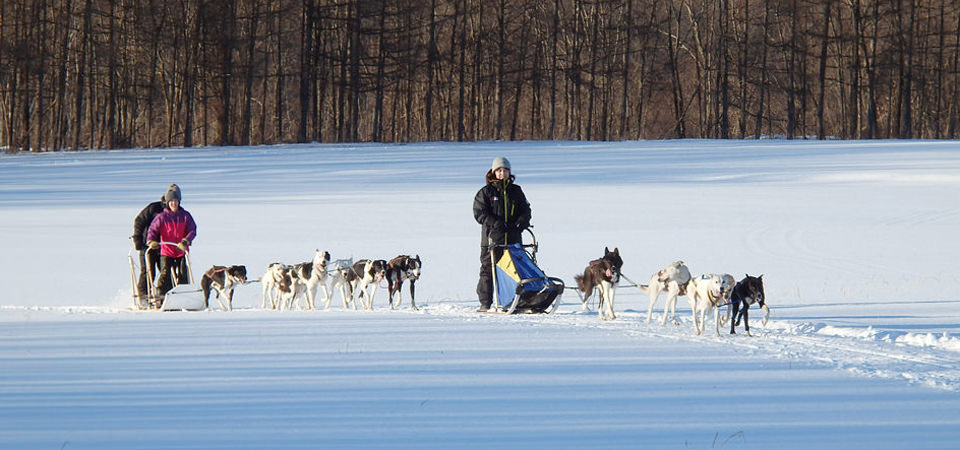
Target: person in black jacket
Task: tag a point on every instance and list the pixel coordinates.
(503, 211)
(140, 226)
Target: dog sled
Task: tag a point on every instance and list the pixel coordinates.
(182, 297)
(519, 285)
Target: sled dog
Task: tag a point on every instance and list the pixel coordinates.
(399, 269)
(708, 293)
(602, 274)
(364, 273)
(338, 270)
(276, 281)
(747, 292)
(313, 274)
(673, 280)
(222, 279)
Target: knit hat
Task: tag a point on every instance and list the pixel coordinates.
(173, 193)
(499, 162)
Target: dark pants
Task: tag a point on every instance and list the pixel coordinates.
(171, 267)
(145, 268)
(485, 285)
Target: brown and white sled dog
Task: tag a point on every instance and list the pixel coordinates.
(400, 269)
(338, 270)
(312, 274)
(364, 273)
(707, 293)
(673, 280)
(602, 274)
(222, 279)
(278, 285)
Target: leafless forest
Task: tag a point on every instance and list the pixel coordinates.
(82, 74)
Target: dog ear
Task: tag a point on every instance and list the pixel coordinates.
(606, 249)
(616, 250)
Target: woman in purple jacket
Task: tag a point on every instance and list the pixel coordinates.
(174, 224)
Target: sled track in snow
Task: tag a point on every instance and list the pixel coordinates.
(873, 356)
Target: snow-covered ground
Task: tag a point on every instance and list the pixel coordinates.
(856, 241)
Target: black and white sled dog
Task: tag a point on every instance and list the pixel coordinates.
(279, 286)
(747, 292)
(222, 279)
(673, 280)
(707, 293)
(364, 273)
(400, 269)
(337, 271)
(602, 274)
(312, 274)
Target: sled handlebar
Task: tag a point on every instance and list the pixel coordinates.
(173, 244)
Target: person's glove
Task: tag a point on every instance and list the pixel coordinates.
(153, 245)
(184, 245)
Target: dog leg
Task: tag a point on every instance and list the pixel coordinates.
(220, 297)
(611, 292)
(373, 294)
(326, 294)
(413, 303)
(343, 296)
(746, 319)
(670, 309)
(692, 300)
(731, 315)
(653, 290)
(716, 319)
(312, 296)
(393, 289)
(264, 294)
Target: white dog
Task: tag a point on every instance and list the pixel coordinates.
(274, 280)
(708, 293)
(673, 279)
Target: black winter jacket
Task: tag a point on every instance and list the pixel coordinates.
(502, 209)
(142, 223)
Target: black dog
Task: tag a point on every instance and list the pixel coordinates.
(223, 279)
(747, 292)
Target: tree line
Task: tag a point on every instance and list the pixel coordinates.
(85, 74)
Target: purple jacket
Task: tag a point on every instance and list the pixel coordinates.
(174, 227)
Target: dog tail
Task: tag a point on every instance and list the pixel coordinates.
(644, 288)
(583, 286)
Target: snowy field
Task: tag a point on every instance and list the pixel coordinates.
(857, 242)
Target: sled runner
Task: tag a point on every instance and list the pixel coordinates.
(182, 297)
(519, 286)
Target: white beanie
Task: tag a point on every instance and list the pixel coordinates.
(499, 162)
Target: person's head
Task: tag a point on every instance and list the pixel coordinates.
(172, 197)
(500, 168)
